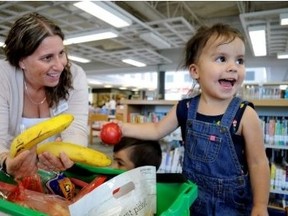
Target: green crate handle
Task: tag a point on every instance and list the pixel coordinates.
(183, 201)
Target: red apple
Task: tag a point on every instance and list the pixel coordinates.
(111, 133)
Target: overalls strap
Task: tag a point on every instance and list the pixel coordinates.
(231, 111)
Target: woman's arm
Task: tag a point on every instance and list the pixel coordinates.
(6, 91)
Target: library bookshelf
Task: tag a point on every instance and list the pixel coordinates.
(143, 107)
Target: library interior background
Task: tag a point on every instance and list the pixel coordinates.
(136, 75)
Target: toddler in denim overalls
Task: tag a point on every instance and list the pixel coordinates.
(211, 162)
(231, 183)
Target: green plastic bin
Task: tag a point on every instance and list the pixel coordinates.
(175, 198)
(172, 198)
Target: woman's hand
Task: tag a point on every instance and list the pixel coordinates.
(24, 164)
(48, 161)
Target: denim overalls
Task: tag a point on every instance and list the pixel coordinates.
(210, 161)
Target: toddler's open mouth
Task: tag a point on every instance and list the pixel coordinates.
(227, 82)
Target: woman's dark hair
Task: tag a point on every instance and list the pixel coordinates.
(142, 152)
(198, 41)
(23, 39)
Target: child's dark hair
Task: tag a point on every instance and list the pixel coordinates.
(142, 152)
(198, 41)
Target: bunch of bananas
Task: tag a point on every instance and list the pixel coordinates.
(43, 130)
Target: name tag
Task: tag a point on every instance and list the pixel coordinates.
(62, 107)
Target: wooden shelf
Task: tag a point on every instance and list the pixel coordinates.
(266, 84)
(130, 106)
(256, 102)
(270, 102)
(137, 106)
(148, 102)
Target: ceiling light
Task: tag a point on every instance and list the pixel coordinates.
(94, 82)
(108, 86)
(105, 13)
(90, 36)
(155, 40)
(133, 62)
(284, 19)
(258, 40)
(78, 59)
(283, 55)
(122, 88)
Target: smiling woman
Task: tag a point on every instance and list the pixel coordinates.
(38, 82)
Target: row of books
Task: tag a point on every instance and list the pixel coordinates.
(260, 92)
(275, 130)
(279, 177)
(150, 117)
(172, 149)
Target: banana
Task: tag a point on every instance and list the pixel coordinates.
(76, 153)
(39, 132)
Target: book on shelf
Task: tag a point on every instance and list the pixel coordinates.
(275, 130)
(278, 201)
(177, 160)
(172, 158)
(149, 117)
